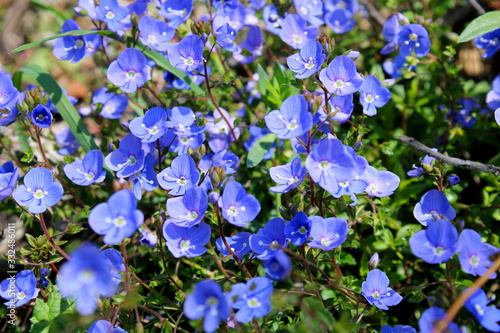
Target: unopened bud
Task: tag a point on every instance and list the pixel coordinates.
(374, 260)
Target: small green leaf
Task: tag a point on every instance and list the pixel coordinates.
(68, 159)
(259, 149)
(28, 156)
(50, 317)
(479, 26)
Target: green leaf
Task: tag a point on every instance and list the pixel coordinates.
(479, 26)
(50, 317)
(106, 33)
(259, 149)
(267, 89)
(63, 105)
(28, 156)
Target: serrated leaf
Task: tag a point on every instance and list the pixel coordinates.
(31, 240)
(48, 316)
(259, 149)
(106, 33)
(479, 26)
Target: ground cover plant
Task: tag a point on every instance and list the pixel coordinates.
(251, 166)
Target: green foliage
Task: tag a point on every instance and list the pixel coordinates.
(53, 315)
(479, 26)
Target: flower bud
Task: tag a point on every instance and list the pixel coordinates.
(374, 260)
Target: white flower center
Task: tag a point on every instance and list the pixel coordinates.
(39, 194)
(254, 302)
(119, 221)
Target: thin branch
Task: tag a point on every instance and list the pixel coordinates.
(487, 168)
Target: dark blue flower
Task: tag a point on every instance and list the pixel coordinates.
(180, 176)
(291, 120)
(433, 206)
(269, 239)
(436, 244)
(341, 76)
(150, 127)
(431, 317)
(397, 329)
(225, 36)
(327, 234)
(187, 55)
(87, 171)
(145, 179)
(39, 191)
(289, 176)
(227, 160)
(341, 108)
(130, 70)
(340, 20)
(453, 180)
(186, 242)
(278, 267)
(488, 316)
(116, 219)
(252, 299)
(176, 11)
(148, 238)
(128, 158)
(489, 42)
(41, 116)
(295, 32)
(86, 277)
(19, 290)
(413, 37)
(390, 31)
(207, 301)
(308, 61)
(8, 178)
(239, 244)
(238, 207)
(298, 229)
(377, 291)
(70, 47)
(474, 254)
(112, 13)
(373, 95)
(155, 33)
(493, 96)
(188, 210)
(8, 95)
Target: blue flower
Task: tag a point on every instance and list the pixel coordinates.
(67, 141)
(180, 176)
(239, 244)
(272, 19)
(295, 32)
(252, 299)
(269, 239)
(87, 171)
(308, 61)
(373, 95)
(278, 267)
(340, 21)
(327, 234)
(176, 11)
(148, 238)
(39, 191)
(224, 7)
(397, 329)
(453, 180)
(8, 95)
(390, 31)
(310, 11)
(207, 301)
(116, 219)
(225, 36)
(128, 158)
(8, 178)
(380, 183)
(413, 37)
(298, 229)
(493, 96)
(19, 290)
(289, 176)
(187, 55)
(474, 254)
(41, 116)
(431, 317)
(227, 160)
(86, 277)
(341, 108)
(129, 71)
(377, 291)
(150, 127)
(291, 120)
(70, 47)
(188, 210)
(155, 33)
(146, 177)
(341, 76)
(489, 42)
(115, 260)
(219, 133)
(112, 13)
(437, 243)
(433, 206)
(112, 105)
(186, 242)
(238, 207)
(488, 316)
(330, 163)
(103, 326)
(253, 44)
